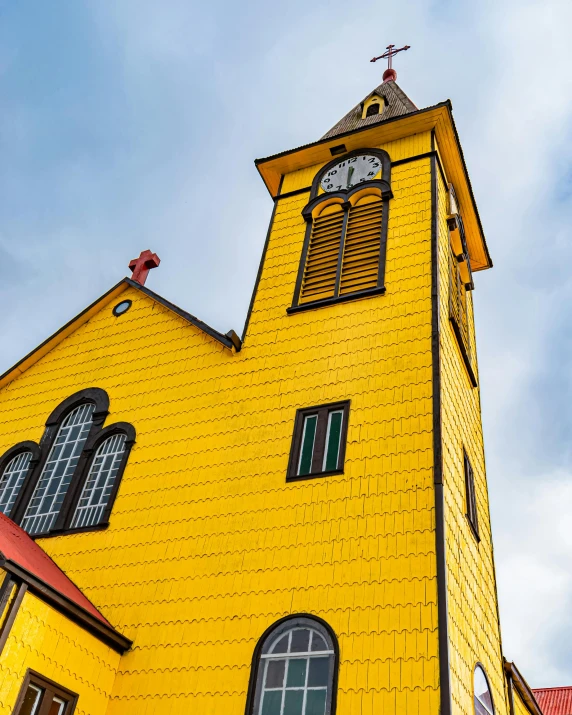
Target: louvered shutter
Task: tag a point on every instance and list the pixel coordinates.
(360, 265)
(319, 280)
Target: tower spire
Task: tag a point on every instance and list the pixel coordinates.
(390, 75)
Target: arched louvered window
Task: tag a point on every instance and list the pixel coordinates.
(100, 483)
(12, 479)
(360, 263)
(58, 470)
(321, 268)
(294, 670)
(343, 256)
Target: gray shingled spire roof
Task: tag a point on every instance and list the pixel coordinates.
(397, 103)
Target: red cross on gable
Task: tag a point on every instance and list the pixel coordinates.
(142, 265)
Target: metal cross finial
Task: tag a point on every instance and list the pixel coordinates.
(142, 265)
(390, 74)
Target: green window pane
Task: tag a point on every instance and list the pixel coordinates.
(333, 441)
(272, 703)
(307, 451)
(319, 669)
(293, 702)
(296, 673)
(315, 702)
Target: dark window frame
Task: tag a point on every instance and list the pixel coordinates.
(322, 411)
(384, 186)
(458, 299)
(96, 436)
(51, 688)
(479, 665)
(8, 456)
(472, 512)
(268, 638)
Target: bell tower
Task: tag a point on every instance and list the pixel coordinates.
(365, 290)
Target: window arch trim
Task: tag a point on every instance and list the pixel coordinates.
(382, 155)
(96, 395)
(8, 456)
(267, 639)
(93, 443)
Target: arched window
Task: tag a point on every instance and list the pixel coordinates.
(58, 470)
(483, 696)
(70, 480)
(295, 668)
(372, 110)
(344, 249)
(100, 482)
(12, 479)
(343, 256)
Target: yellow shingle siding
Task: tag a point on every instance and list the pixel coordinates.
(473, 619)
(46, 641)
(519, 707)
(208, 545)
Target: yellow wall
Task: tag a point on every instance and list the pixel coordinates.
(208, 545)
(519, 706)
(473, 619)
(46, 641)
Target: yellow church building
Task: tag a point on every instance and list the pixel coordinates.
(295, 522)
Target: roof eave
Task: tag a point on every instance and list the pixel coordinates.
(438, 118)
(522, 687)
(38, 352)
(98, 627)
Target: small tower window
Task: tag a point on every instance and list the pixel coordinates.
(372, 110)
(319, 442)
(471, 497)
(483, 697)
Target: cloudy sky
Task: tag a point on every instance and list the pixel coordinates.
(133, 124)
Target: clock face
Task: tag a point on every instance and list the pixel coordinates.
(349, 172)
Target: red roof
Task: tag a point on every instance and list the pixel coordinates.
(554, 701)
(18, 547)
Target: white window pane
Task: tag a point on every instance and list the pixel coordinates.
(333, 441)
(58, 470)
(32, 699)
(12, 480)
(100, 482)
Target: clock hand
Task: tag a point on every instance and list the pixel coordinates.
(350, 172)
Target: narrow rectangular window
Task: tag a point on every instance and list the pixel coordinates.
(41, 696)
(333, 436)
(319, 441)
(308, 440)
(471, 497)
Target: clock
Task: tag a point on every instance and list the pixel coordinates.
(350, 172)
